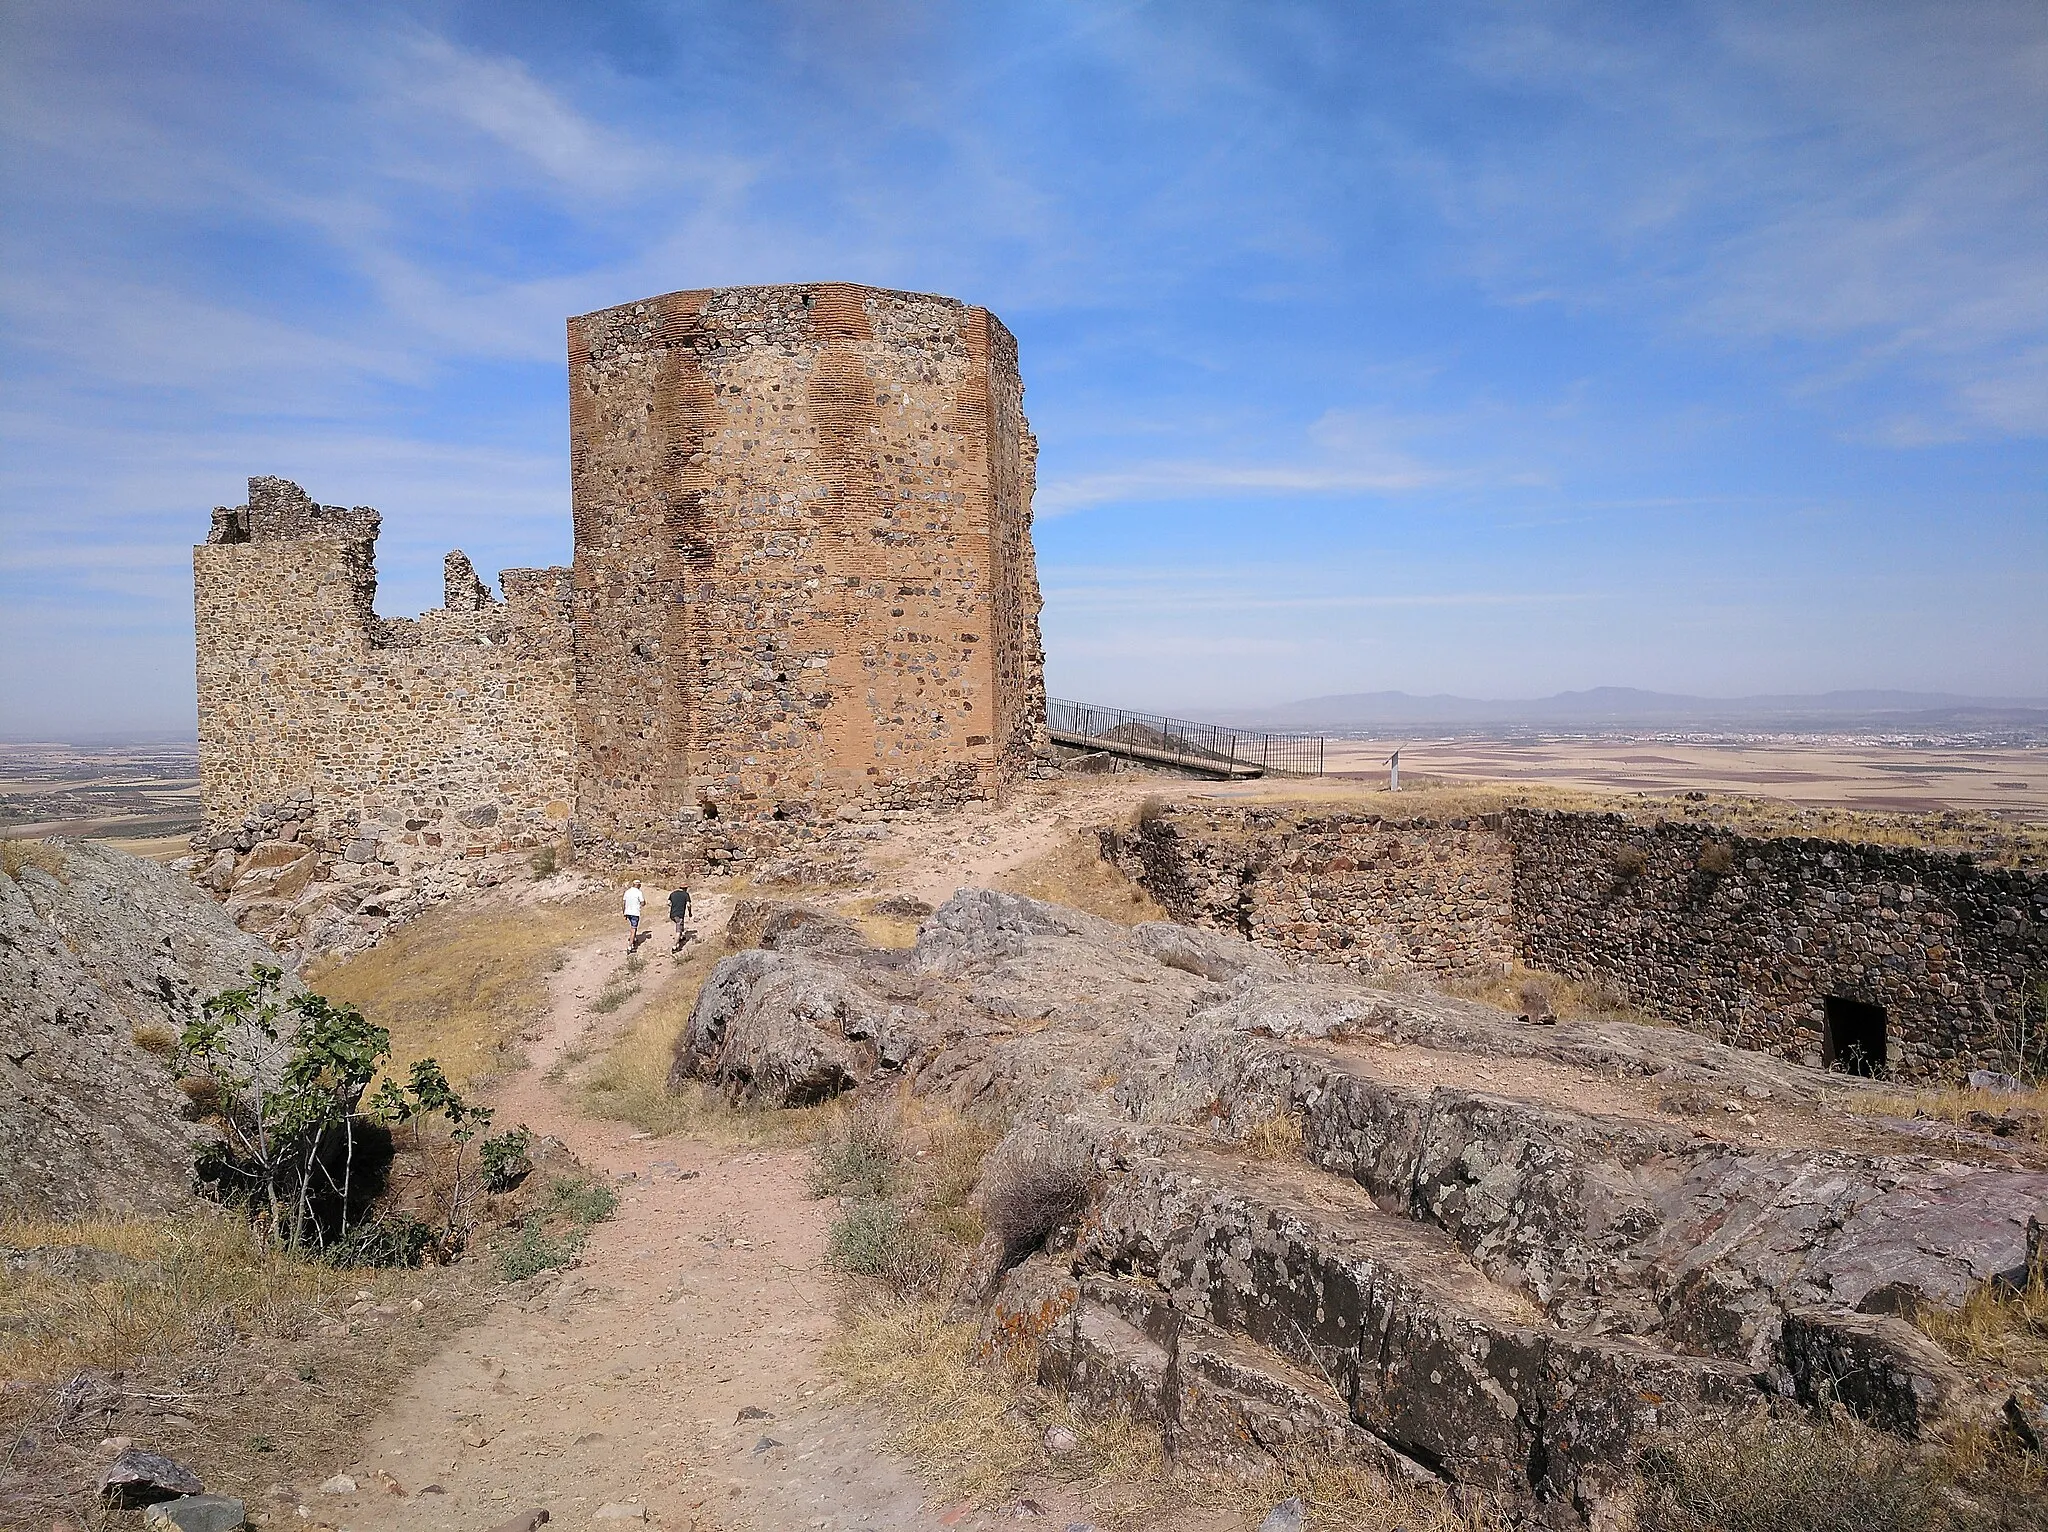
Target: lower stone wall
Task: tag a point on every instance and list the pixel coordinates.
(1372, 892)
(1746, 939)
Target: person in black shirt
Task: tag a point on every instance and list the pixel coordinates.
(679, 915)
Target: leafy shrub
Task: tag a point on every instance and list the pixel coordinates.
(1776, 1475)
(1630, 863)
(535, 1251)
(1031, 1190)
(293, 1124)
(1536, 999)
(859, 1154)
(875, 1239)
(585, 1202)
(1717, 859)
(507, 1159)
(544, 861)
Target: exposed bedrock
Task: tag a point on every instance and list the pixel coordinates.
(1502, 1251)
(103, 962)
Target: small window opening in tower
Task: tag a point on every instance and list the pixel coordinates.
(1852, 1037)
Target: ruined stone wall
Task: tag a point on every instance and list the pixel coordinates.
(1746, 938)
(1742, 939)
(803, 563)
(1361, 889)
(402, 742)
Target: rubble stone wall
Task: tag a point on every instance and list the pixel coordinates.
(402, 741)
(1747, 938)
(803, 570)
(1741, 938)
(1357, 888)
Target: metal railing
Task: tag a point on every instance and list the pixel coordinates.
(1178, 741)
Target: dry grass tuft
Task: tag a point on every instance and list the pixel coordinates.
(17, 854)
(1278, 1137)
(944, 1166)
(460, 985)
(1522, 990)
(154, 1037)
(1031, 1189)
(1996, 1327)
(1074, 873)
(883, 927)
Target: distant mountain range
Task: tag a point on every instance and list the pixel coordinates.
(1615, 705)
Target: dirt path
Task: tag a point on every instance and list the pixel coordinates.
(675, 1373)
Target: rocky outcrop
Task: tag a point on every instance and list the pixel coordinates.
(101, 964)
(1504, 1250)
(782, 1029)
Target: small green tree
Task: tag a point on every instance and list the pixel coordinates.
(431, 1094)
(283, 1075)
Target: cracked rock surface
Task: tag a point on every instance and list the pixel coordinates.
(1503, 1251)
(109, 949)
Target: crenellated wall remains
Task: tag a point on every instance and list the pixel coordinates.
(403, 740)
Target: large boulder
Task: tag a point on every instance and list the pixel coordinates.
(784, 1029)
(102, 962)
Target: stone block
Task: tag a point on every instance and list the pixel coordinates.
(197, 1513)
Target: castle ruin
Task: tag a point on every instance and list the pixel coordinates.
(802, 582)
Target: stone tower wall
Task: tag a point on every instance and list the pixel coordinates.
(405, 741)
(803, 561)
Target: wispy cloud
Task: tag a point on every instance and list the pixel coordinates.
(1418, 323)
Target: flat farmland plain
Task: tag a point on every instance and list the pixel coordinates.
(142, 797)
(1844, 773)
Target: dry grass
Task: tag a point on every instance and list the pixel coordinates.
(17, 854)
(461, 985)
(1997, 1328)
(2008, 1114)
(945, 1155)
(245, 1343)
(880, 928)
(192, 1277)
(629, 1082)
(1278, 1137)
(1073, 873)
(1567, 999)
(977, 1429)
(1835, 1475)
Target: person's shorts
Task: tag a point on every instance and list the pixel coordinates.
(633, 921)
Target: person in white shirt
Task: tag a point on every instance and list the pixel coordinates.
(634, 900)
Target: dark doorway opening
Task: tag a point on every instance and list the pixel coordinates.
(1852, 1036)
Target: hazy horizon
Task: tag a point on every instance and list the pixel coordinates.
(1466, 348)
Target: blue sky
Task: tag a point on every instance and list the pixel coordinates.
(1494, 349)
